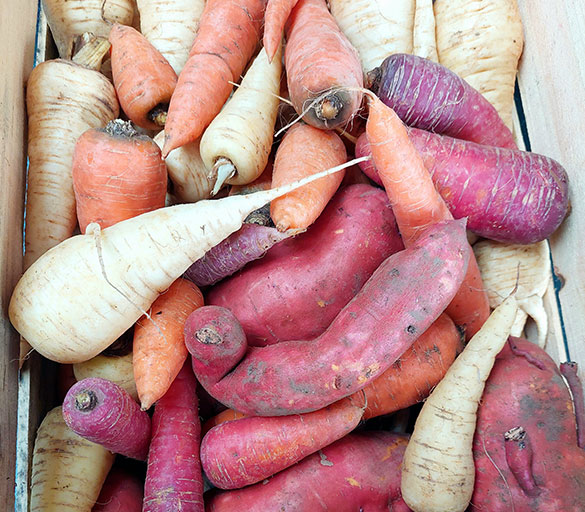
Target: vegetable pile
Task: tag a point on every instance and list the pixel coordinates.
(253, 314)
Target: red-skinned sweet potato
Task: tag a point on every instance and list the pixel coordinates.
(539, 466)
(507, 195)
(358, 472)
(122, 492)
(286, 296)
(400, 301)
(246, 451)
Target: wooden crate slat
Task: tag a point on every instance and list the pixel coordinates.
(552, 84)
(17, 45)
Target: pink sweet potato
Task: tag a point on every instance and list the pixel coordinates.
(104, 413)
(427, 95)
(404, 296)
(525, 447)
(358, 472)
(286, 295)
(247, 244)
(173, 477)
(122, 492)
(245, 451)
(507, 195)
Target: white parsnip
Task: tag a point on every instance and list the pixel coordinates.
(117, 369)
(236, 145)
(377, 28)
(68, 19)
(424, 40)
(504, 267)
(481, 41)
(82, 295)
(171, 27)
(64, 100)
(187, 171)
(67, 470)
(438, 472)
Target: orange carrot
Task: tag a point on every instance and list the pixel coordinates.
(411, 379)
(305, 150)
(324, 71)
(227, 37)
(277, 12)
(417, 204)
(117, 175)
(143, 78)
(159, 348)
(408, 381)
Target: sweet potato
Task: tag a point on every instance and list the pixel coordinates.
(404, 296)
(507, 195)
(427, 95)
(538, 467)
(246, 451)
(358, 472)
(286, 296)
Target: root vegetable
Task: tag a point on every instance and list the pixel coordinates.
(122, 492)
(104, 413)
(438, 471)
(323, 69)
(115, 281)
(117, 174)
(424, 40)
(398, 303)
(481, 41)
(377, 28)
(236, 145)
(67, 471)
(171, 27)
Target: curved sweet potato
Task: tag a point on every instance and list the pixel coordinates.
(404, 296)
(539, 467)
(358, 472)
(286, 295)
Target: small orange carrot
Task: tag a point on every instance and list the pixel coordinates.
(228, 34)
(305, 150)
(222, 417)
(277, 12)
(159, 348)
(417, 204)
(324, 71)
(117, 175)
(143, 78)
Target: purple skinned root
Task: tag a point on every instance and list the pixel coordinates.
(526, 355)
(569, 371)
(519, 459)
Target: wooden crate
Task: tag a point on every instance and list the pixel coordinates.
(550, 120)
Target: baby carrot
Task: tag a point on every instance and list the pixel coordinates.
(417, 204)
(159, 347)
(227, 37)
(143, 78)
(305, 150)
(117, 175)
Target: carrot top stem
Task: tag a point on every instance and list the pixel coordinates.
(85, 400)
(121, 129)
(92, 52)
(223, 170)
(158, 115)
(329, 108)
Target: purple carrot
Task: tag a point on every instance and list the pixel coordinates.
(247, 244)
(519, 459)
(427, 95)
(569, 371)
(507, 195)
(104, 413)
(173, 477)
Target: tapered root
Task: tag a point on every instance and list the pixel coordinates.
(519, 459)
(223, 170)
(569, 371)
